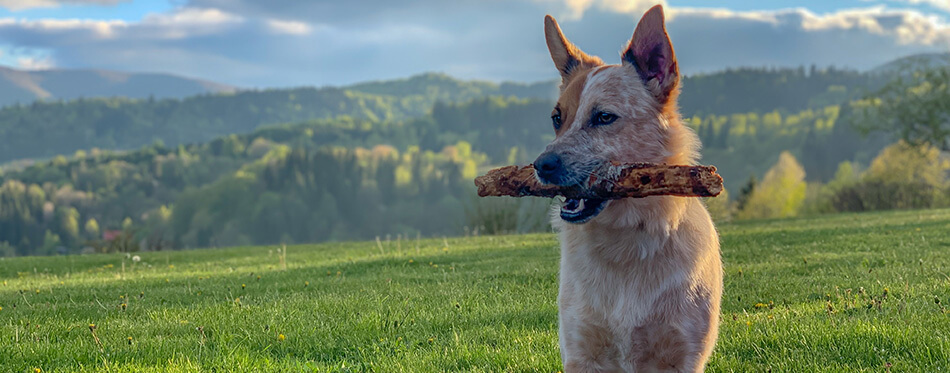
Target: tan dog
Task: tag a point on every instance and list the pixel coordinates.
(641, 279)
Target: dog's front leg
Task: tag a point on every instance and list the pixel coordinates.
(586, 343)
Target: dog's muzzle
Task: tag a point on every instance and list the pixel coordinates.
(550, 169)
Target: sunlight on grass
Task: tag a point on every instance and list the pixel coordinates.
(844, 292)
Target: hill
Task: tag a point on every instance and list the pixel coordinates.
(44, 129)
(351, 178)
(24, 87)
(917, 61)
(785, 90)
(394, 158)
(829, 294)
(141, 115)
(303, 182)
(448, 89)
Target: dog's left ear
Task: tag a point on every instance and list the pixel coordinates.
(650, 52)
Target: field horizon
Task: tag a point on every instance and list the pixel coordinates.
(843, 292)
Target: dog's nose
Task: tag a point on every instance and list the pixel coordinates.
(548, 165)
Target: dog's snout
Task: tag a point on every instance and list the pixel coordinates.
(548, 162)
(548, 166)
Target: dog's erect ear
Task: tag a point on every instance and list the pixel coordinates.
(567, 58)
(651, 54)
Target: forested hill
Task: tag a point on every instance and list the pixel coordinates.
(44, 129)
(762, 90)
(378, 158)
(351, 178)
(446, 88)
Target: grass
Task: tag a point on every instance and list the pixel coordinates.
(855, 292)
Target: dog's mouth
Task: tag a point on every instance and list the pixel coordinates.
(581, 210)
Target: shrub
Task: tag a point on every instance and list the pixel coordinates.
(720, 207)
(900, 177)
(504, 215)
(781, 192)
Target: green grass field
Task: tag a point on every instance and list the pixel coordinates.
(850, 292)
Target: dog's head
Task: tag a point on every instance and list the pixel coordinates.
(624, 112)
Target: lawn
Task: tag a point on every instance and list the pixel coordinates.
(853, 292)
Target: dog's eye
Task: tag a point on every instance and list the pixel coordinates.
(556, 119)
(603, 118)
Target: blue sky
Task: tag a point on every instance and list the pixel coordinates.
(818, 6)
(257, 43)
(135, 10)
(127, 10)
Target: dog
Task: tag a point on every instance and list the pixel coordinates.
(640, 278)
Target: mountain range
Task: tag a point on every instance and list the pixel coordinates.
(24, 87)
(140, 109)
(311, 164)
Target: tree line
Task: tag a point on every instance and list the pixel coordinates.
(42, 129)
(359, 176)
(46, 129)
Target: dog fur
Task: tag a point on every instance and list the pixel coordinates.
(640, 282)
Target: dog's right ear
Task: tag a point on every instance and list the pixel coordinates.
(567, 57)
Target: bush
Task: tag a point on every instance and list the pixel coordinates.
(720, 207)
(876, 195)
(505, 215)
(7, 250)
(900, 177)
(781, 192)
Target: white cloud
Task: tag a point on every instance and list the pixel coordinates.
(575, 9)
(905, 26)
(35, 63)
(245, 42)
(18, 5)
(187, 22)
(180, 24)
(939, 4)
(191, 17)
(288, 27)
(88, 28)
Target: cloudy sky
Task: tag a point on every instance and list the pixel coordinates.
(268, 43)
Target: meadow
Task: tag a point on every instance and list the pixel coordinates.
(846, 292)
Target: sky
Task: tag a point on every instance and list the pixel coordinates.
(281, 43)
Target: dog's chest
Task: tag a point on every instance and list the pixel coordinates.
(619, 293)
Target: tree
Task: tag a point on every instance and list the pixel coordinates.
(92, 228)
(7, 250)
(831, 197)
(781, 193)
(903, 176)
(720, 208)
(903, 163)
(746, 192)
(51, 243)
(69, 223)
(915, 106)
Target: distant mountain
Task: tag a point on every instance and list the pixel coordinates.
(446, 88)
(21, 86)
(763, 90)
(45, 129)
(915, 62)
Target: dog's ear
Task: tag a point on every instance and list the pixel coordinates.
(567, 57)
(650, 52)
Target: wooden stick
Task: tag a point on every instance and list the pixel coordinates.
(613, 181)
